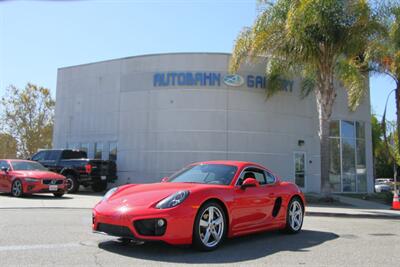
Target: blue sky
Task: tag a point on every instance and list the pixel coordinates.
(37, 37)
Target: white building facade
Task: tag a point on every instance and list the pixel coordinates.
(154, 114)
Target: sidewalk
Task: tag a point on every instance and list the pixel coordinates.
(357, 208)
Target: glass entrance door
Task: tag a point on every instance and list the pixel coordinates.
(300, 169)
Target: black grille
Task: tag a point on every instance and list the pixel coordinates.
(115, 230)
(150, 227)
(52, 181)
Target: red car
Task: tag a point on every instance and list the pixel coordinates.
(202, 205)
(27, 177)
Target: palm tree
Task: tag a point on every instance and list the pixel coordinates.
(384, 52)
(320, 40)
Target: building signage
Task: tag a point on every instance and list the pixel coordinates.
(208, 79)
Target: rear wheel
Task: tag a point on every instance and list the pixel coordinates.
(72, 183)
(16, 189)
(209, 229)
(99, 187)
(294, 216)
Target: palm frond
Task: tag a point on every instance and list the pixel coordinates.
(241, 50)
(353, 79)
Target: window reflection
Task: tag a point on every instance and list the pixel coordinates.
(347, 154)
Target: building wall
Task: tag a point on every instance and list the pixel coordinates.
(161, 129)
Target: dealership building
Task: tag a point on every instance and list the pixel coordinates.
(154, 114)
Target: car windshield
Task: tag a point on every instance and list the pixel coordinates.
(27, 166)
(205, 174)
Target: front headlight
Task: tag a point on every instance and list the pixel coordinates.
(173, 200)
(109, 193)
(31, 180)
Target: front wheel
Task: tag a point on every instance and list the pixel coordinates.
(72, 183)
(209, 229)
(16, 189)
(294, 216)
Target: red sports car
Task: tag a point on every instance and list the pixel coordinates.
(202, 205)
(27, 177)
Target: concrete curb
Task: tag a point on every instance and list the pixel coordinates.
(352, 215)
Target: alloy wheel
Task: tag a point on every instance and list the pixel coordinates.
(295, 215)
(17, 188)
(211, 226)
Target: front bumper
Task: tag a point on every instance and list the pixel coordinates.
(123, 222)
(39, 187)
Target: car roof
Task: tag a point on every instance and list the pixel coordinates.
(236, 163)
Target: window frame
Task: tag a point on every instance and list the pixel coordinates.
(255, 167)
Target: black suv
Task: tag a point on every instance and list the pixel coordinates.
(77, 168)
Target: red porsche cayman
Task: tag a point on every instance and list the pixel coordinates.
(27, 177)
(202, 205)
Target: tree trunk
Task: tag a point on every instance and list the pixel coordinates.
(325, 97)
(325, 155)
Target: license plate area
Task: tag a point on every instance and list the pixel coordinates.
(103, 177)
(53, 187)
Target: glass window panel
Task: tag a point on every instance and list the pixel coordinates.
(360, 129)
(334, 129)
(334, 169)
(348, 155)
(348, 165)
(299, 179)
(347, 128)
(349, 182)
(98, 150)
(361, 153)
(362, 183)
(113, 151)
(299, 169)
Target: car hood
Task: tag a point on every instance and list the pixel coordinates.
(150, 194)
(38, 174)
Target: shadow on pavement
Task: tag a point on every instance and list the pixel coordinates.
(233, 250)
(40, 196)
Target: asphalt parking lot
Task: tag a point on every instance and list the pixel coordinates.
(44, 231)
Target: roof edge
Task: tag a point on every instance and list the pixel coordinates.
(147, 55)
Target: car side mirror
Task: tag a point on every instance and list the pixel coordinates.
(249, 182)
(4, 169)
(164, 180)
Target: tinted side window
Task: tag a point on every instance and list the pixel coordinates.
(3, 164)
(270, 178)
(52, 155)
(39, 156)
(258, 174)
(73, 154)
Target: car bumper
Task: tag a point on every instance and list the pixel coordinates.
(38, 187)
(127, 222)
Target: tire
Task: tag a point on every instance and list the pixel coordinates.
(294, 216)
(72, 183)
(59, 194)
(17, 189)
(99, 187)
(208, 233)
